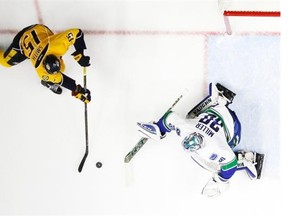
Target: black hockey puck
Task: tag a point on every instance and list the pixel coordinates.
(98, 164)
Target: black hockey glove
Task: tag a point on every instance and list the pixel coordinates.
(83, 60)
(82, 94)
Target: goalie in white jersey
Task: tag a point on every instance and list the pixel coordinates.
(209, 133)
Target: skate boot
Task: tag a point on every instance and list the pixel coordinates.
(53, 87)
(251, 162)
(259, 164)
(224, 92)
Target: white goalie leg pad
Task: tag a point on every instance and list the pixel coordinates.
(222, 100)
(210, 100)
(149, 130)
(247, 162)
(215, 186)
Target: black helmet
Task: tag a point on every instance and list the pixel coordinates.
(51, 64)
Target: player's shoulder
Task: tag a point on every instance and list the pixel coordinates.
(72, 31)
(39, 28)
(69, 35)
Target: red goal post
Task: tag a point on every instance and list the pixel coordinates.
(247, 8)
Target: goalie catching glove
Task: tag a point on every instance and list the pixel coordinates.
(82, 94)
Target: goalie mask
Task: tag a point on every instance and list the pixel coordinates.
(193, 142)
(51, 64)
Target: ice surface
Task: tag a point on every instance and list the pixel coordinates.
(143, 55)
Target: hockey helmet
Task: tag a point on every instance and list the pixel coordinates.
(51, 64)
(193, 142)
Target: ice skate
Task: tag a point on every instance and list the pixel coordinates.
(251, 162)
(224, 92)
(259, 164)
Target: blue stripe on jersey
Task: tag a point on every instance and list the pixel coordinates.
(237, 130)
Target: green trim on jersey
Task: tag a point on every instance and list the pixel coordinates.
(230, 165)
(164, 118)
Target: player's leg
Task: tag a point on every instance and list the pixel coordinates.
(13, 54)
(218, 94)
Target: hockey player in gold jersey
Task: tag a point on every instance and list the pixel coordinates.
(45, 50)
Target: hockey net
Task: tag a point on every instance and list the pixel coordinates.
(248, 8)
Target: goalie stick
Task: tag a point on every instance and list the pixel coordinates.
(86, 126)
(135, 149)
(143, 140)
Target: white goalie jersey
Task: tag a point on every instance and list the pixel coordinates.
(207, 137)
(209, 133)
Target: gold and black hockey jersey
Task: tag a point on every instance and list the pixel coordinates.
(39, 41)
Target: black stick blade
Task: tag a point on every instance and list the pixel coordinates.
(82, 162)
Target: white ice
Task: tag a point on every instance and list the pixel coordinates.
(143, 55)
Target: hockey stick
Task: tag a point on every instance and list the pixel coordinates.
(86, 126)
(143, 140)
